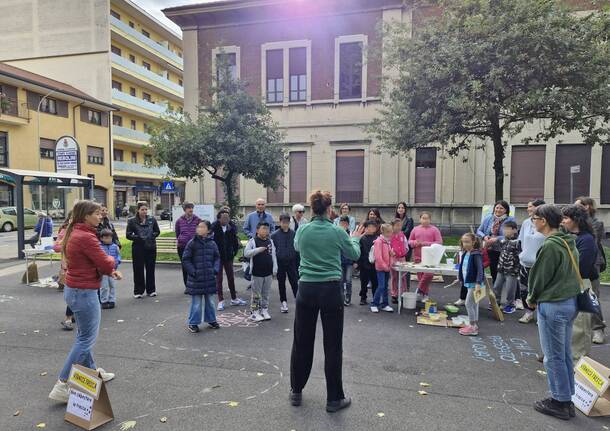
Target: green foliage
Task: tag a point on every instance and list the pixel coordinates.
(235, 135)
(485, 70)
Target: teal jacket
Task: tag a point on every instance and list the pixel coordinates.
(321, 244)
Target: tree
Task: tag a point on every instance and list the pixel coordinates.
(484, 69)
(235, 135)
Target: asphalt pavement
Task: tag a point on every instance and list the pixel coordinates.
(238, 377)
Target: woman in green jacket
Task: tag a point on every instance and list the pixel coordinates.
(553, 286)
(321, 244)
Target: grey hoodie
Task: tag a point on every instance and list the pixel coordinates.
(531, 241)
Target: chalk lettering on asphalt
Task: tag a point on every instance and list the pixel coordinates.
(494, 347)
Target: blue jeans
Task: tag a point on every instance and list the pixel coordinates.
(87, 312)
(555, 320)
(209, 312)
(107, 293)
(380, 299)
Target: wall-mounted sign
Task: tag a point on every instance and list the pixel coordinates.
(67, 160)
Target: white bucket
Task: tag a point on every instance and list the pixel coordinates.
(409, 300)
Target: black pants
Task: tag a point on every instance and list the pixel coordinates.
(494, 259)
(366, 275)
(143, 258)
(524, 275)
(325, 298)
(289, 269)
(184, 274)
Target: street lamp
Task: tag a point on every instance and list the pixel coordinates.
(42, 99)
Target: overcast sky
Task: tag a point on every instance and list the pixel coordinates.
(154, 8)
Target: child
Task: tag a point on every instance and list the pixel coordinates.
(263, 266)
(472, 276)
(367, 269)
(507, 281)
(286, 255)
(383, 263)
(347, 266)
(400, 247)
(201, 261)
(107, 293)
(423, 235)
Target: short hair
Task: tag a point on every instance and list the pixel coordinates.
(105, 232)
(186, 205)
(297, 207)
(510, 223)
(221, 212)
(369, 223)
(589, 202)
(476, 241)
(344, 219)
(537, 202)
(344, 204)
(284, 216)
(504, 205)
(262, 224)
(319, 201)
(550, 213)
(207, 223)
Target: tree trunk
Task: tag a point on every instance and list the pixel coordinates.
(498, 157)
(231, 198)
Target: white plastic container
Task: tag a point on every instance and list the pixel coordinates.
(431, 256)
(409, 300)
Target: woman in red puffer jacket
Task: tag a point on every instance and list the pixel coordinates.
(86, 262)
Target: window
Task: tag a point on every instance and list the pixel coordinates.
(146, 128)
(134, 157)
(94, 117)
(527, 173)
(350, 176)
(132, 91)
(133, 124)
(47, 148)
(425, 175)
(115, 50)
(117, 155)
(350, 70)
(228, 62)
(298, 74)
(117, 120)
(298, 176)
(180, 83)
(276, 196)
(275, 76)
(572, 156)
(115, 14)
(10, 211)
(117, 85)
(95, 155)
(147, 159)
(146, 96)
(3, 149)
(605, 191)
(131, 24)
(49, 106)
(146, 65)
(132, 58)
(145, 33)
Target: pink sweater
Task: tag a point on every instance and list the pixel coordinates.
(383, 259)
(426, 236)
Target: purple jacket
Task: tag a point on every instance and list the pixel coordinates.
(186, 229)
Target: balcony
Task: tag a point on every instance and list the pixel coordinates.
(147, 43)
(130, 136)
(136, 105)
(14, 113)
(146, 78)
(138, 169)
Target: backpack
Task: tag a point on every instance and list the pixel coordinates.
(372, 254)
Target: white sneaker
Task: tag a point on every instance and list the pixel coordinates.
(221, 306)
(138, 296)
(598, 336)
(60, 392)
(284, 307)
(106, 376)
(527, 317)
(459, 302)
(152, 294)
(265, 314)
(256, 316)
(388, 309)
(238, 301)
(519, 304)
(374, 309)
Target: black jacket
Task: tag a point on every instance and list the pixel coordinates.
(143, 234)
(227, 242)
(366, 242)
(107, 224)
(284, 245)
(407, 226)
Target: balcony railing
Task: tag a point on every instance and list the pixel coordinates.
(12, 107)
(151, 44)
(147, 74)
(140, 103)
(128, 133)
(139, 168)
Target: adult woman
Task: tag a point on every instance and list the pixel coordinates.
(185, 229)
(143, 230)
(407, 222)
(297, 220)
(375, 215)
(86, 263)
(491, 233)
(531, 240)
(67, 323)
(576, 221)
(597, 322)
(344, 210)
(321, 244)
(553, 287)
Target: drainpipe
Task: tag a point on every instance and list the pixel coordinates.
(74, 133)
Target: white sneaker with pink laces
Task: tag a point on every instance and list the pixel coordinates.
(470, 330)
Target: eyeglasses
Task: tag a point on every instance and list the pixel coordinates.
(537, 218)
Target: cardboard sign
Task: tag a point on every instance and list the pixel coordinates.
(88, 405)
(584, 397)
(594, 373)
(495, 308)
(479, 294)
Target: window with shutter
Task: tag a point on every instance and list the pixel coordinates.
(425, 175)
(117, 120)
(226, 66)
(134, 157)
(298, 176)
(146, 65)
(117, 155)
(567, 156)
(115, 50)
(95, 155)
(47, 148)
(527, 173)
(117, 85)
(275, 76)
(276, 196)
(94, 117)
(350, 70)
(4, 149)
(350, 176)
(298, 74)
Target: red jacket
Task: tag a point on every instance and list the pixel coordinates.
(86, 260)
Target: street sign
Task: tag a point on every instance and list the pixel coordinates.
(66, 156)
(168, 187)
(575, 169)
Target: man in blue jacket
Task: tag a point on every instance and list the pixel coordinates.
(43, 229)
(258, 216)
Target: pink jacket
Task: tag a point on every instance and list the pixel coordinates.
(400, 245)
(426, 236)
(383, 258)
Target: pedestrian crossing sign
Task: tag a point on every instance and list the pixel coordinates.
(168, 186)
